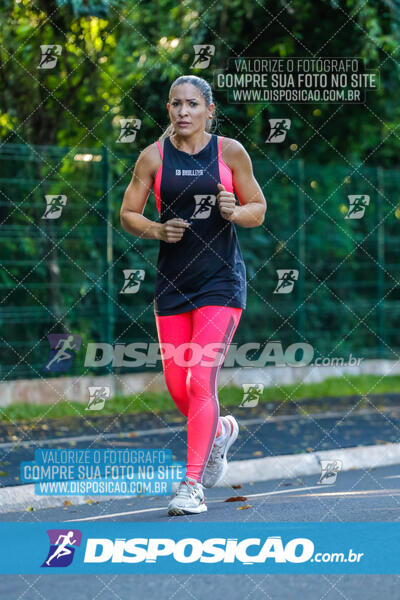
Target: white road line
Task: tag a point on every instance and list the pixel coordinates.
(395, 492)
(167, 430)
(145, 510)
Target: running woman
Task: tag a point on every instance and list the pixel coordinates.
(200, 289)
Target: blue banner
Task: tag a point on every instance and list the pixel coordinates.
(203, 547)
(103, 471)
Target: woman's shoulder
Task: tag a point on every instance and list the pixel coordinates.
(232, 151)
(151, 157)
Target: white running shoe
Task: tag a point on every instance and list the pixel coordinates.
(188, 499)
(217, 463)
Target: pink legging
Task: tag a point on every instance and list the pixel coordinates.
(194, 388)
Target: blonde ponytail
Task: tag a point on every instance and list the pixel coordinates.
(169, 131)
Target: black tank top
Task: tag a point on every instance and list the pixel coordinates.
(206, 266)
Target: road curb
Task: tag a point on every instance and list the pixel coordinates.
(21, 497)
(295, 465)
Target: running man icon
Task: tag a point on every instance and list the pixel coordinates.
(204, 205)
(278, 130)
(49, 57)
(287, 279)
(128, 130)
(357, 205)
(54, 206)
(62, 346)
(62, 550)
(133, 279)
(203, 55)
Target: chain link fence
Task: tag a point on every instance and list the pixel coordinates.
(64, 253)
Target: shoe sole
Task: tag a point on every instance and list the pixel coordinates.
(183, 511)
(232, 439)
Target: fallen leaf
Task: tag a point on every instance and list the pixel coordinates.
(236, 499)
(244, 507)
(3, 474)
(29, 508)
(67, 503)
(236, 487)
(257, 453)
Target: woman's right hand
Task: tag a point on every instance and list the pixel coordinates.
(172, 230)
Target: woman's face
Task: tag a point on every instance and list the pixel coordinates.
(187, 109)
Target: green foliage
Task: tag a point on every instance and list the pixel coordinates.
(153, 403)
(97, 8)
(118, 60)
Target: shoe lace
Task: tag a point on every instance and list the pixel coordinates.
(215, 452)
(186, 490)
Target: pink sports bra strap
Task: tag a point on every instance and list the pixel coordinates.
(159, 147)
(219, 147)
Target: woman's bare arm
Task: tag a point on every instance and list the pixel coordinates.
(135, 198)
(251, 212)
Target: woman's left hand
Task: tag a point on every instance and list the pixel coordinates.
(226, 203)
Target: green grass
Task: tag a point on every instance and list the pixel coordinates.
(230, 396)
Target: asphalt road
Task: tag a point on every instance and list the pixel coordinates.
(261, 434)
(365, 495)
(200, 587)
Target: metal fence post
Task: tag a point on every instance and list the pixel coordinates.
(380, 252)
(301, 249)
(109, 250)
